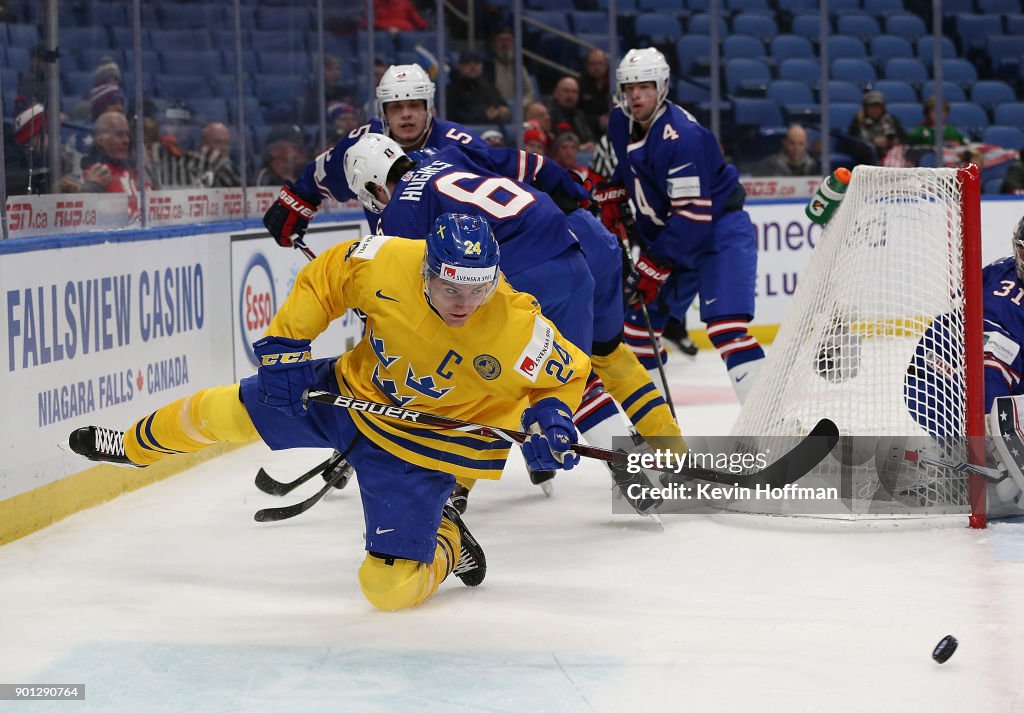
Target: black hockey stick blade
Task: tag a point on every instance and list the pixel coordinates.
(795, 464)
(289, 511)
(270, 486)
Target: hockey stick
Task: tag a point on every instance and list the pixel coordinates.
(810, 451)
(993, 475)
(288, 511)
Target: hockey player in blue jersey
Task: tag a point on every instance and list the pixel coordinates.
(694, 234)
(540, 255)
(937, 360)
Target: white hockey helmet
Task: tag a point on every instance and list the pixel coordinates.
(641, 65)
(401, 82)
(369, 160)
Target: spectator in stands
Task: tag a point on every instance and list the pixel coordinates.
(538, 114)
(342, 119)
(25, 150)
(501, 70)
(493, 137)
(564, 152)
(106, 72)
(104, 98)
(334, 90)
(595, 90)
(165, 161)
(564, 109)
(32, 84)
(107, 167)
(6, 13)
(396, 16)
(471, 98)
(284, 155)
(924, 133)
(876, 126)
(1013, 180)
(535, 139)
(211, 165)
(792, 160)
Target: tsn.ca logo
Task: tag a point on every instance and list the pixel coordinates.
(528, 365)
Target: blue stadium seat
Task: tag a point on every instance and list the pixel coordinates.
(74, 83)
(742, 46)
(1004, 52)
(896, 91)
(275, 88)
(690, 93)
(80, 38)
(863, 27)
(284, 63)
(592, 22)
(906, 70)
(554, 18)
(786, 47)
(106, 14)
(746, 76)
(807, 25)
(1014, 23)
(974, 30)
(748, 6)
(842, 113)
(89, 58)
(883, 8)
(926, 49)
(998, 7)
(194, 39)
(271, 41)
(253, 111)
(788, 91)
(18, 59)
(691, 51)
(184, 87)
(1009, 114)
(667, 6)
(843, 47)
(960, 71)
(951, 91)
(909, 114)
(191, 62)
(695, 6)
(762, 113)
(852, 69)
(1009, 137)
(225, 40)
(756, 25)
(886, 47)
(992, 186)
(700, 24)
(909, 27)
(191, 15)
(211, 109)
(22, 35)
(284, 19)
(844, 91)
(800, 69)
(623, 7)
(843, 7)
(968, 116)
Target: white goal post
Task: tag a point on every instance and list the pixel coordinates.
(884, 337)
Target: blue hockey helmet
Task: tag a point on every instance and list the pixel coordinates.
(461, 249)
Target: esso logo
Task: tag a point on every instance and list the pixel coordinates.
(257, 302)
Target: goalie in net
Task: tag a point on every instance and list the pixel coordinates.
(878, 338)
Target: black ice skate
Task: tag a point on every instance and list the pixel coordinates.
(472, 565)
(337, 465)
(676, 333)
(544, 478)
(100, 444)
(460, 498)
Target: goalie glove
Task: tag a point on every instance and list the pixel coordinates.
(289, 216)
(552, 434)
(644, 282)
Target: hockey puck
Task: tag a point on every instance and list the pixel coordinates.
(944, 649)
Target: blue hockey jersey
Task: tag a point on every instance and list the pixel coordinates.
(527, 224)
(1004, 330)
(677, 178)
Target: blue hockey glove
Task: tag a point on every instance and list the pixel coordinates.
(552, 434)
(286, 370)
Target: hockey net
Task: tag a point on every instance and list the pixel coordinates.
(902, 251)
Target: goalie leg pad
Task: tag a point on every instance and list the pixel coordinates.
(1007, 435)
(209, 416)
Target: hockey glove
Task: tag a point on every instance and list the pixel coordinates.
(289, 216)
(611, 198)
(552, 434)
(286, 370)
(644, 282)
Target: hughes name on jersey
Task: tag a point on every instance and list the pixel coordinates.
(505, 357)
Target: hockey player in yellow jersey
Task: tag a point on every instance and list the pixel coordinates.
(445, 334)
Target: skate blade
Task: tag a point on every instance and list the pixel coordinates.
(548, 486)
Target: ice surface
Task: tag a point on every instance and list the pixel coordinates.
(173, 599)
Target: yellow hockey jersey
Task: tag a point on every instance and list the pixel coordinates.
(504, 358)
